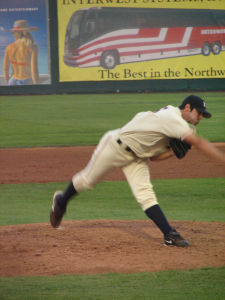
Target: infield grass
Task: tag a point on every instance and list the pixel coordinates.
(68, 120)
(181, 199)
(197, 284)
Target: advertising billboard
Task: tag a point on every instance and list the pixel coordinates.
(140, 39)
(24, 42)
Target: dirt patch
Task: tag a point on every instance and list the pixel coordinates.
(102, 246)
(90, 247)
(60, 164)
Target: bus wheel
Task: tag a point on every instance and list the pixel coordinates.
(109, 59)
(216, 48)
(206, 49)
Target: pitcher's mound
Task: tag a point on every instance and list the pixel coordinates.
(102, 246)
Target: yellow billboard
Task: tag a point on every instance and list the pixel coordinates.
(102, 40)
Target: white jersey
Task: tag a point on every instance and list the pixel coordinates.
(148, 133)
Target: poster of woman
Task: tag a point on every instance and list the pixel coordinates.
(24, 43)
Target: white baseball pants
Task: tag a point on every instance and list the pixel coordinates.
(109, 155)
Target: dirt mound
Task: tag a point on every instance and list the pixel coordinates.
(102, 246)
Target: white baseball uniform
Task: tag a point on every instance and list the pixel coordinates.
(129, 147)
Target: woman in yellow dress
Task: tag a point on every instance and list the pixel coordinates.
(22, 56)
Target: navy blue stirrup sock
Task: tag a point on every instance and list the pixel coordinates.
(68, 194)
(155, 213)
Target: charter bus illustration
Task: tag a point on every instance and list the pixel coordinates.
(108, 36)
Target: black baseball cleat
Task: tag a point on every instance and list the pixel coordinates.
(58, 210)
(173, 238)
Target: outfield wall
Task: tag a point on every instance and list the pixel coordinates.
(56, 81)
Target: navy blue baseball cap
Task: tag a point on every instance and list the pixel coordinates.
(197, 103)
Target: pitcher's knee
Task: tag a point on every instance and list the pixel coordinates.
(148, 203)
(81, 183)
(146, 198)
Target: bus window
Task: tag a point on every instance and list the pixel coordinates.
(73, 31)
(88, 30)
(116, 20)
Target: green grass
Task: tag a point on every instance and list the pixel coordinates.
(198, 284)
(59, 120)
(181, 199)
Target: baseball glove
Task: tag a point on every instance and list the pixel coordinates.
(180, 148)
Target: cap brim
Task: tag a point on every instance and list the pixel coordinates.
(206, 114)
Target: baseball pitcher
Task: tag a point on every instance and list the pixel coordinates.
(149, 135)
